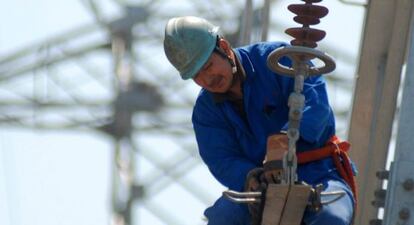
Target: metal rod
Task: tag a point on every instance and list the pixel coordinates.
(247, 21)
(242, 194)
(265, 20)
(242, 197)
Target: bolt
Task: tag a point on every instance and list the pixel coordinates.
(408, 184)
(380, 193)
(404, 214)
(375, 222)
(378, 203)
(383, 174)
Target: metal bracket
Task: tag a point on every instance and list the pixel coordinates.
(284, 203)
(299, 54)
(243, 197)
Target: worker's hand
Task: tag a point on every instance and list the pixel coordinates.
(277, 146)
(255, 182)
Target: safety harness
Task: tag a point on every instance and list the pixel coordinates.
(337, 150)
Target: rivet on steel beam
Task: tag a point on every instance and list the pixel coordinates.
(375, 222)
(383, 174)
(404, 214)
(408, 184)
(378, 203)
(380, 193)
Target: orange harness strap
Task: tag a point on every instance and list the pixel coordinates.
(336, 149)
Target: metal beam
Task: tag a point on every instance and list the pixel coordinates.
(12, 71)
(400, 199)
(58, 40)
(375, 94)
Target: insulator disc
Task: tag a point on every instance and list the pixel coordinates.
(309, 44)
(306, 20)
(306, 33)
(311, 1)
(308, 10)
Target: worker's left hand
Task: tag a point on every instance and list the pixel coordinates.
(277, 146)
(255, 182)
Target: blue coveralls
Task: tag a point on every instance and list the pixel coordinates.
(231, 146)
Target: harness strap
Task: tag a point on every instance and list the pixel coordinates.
(336, 149)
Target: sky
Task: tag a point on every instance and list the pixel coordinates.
(63, 177)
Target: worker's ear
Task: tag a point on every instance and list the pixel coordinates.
(225, 46)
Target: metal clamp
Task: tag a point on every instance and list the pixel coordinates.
(315, 201)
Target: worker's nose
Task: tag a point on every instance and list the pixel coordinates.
(209, 80)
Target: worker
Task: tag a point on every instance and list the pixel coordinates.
(240, 120)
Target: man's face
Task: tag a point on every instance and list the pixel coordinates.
(216, 75)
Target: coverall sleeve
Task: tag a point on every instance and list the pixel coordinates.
(317, 113)
(219, 148)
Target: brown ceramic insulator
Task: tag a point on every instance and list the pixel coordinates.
(306, 33)
(309, 44)
(308, 10)
(305, 36)
(307, 14)
(306, 20)
(311, 1)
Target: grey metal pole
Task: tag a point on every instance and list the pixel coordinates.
(265, 20)
(247, 22)
(124, 167)
(399, 204)
(375, 96)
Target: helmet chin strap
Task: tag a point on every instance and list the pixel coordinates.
(233, 65)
